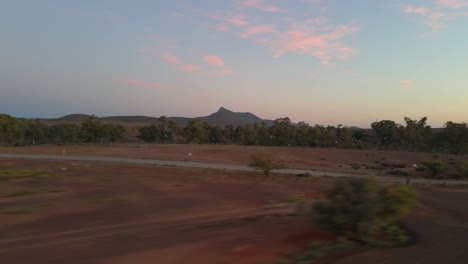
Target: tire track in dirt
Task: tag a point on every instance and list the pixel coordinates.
(14, 244)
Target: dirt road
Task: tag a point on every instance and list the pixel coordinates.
(220, 166)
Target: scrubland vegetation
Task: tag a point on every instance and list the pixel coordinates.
(413, 135)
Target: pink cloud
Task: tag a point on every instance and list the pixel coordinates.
(170, 58)
(189, 68)
(260, 4)
(214, 60)
(206, 93)
(323, 45)
(148, 85)
(238, 21)
(255, 30)
(223, 72)
(409, 84)
(454, 4)
(221, 28)
(437, 19)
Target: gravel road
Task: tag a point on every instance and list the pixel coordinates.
(219, 166)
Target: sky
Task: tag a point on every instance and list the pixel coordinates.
(328, 62)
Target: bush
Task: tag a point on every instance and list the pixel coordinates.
(357, 208)
(465, 170)
(263, 160)
(398, 173)
(434, 167)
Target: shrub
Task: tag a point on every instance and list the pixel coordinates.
(434, 167)
(465, 170)
(263, 160)
(357, 207)
(398, 173)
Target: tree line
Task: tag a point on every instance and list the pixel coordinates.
(413, 135)
(20, 132)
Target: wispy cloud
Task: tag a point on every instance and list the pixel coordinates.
(214, 60)
(189, 67)
(431, 18)
(221, 28)
(148, 85)
(223, 72)
(170, 58)
(255, 30)
(408, 84)
(315, 36)
(238, 21)
(317, 39)
(219, 63)
(455, 4)
(437, 15)
(260, 5)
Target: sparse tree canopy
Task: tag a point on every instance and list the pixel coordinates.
(415, 133)
(263, 160)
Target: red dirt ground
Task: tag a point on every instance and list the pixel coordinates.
(116, 213)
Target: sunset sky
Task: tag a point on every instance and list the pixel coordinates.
(347, 62)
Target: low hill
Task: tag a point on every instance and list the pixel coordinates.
(222, 117)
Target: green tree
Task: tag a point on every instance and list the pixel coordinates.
(456, 137)
(303, 135)
(263, 160)
(415, 133)
(281, 132)
(262, 134)
(248, 136)
(386, 132)
(324, 137)
(196, 132)
(344, 137)
(151, 133)
(65, 133)
(11, 131)
(91, 130)
(36, 132)
(359, 207)
(112, 133)
(216, 135)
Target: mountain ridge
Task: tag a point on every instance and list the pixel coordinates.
(222, 117)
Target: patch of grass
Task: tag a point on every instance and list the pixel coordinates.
(398, 173)
(26, 191)
(396, 236)
(8, 174)
(300, 203)
(113, 198)
(24, 208)
(296, 199)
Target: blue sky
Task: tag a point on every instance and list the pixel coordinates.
(319, 61)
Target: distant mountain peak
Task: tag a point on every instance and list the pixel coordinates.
(222, 109)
